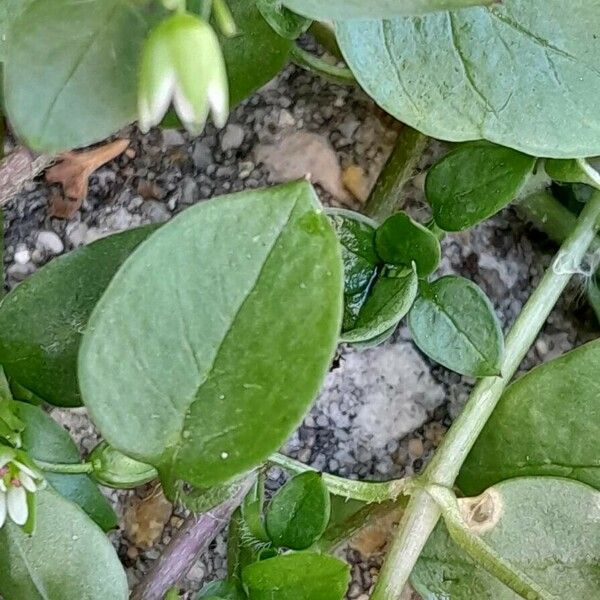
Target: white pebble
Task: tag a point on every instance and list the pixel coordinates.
(22, 255)
(48, 241)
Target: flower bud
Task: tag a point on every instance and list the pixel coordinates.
(182, 63)
(113, 469)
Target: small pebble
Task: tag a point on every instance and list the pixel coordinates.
(48, 241)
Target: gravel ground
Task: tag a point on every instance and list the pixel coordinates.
(383, 411)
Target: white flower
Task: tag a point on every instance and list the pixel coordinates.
(17, 480)
(182, 63)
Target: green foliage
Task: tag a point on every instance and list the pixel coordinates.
(301, 576)
(287, 24)
(402, 241)
(224, 590)
(474, 182)
(67, 557)
(453, 322)
(545, 527)
(212, 388)
(42, 320)
(113, 469)
(374, 9)
(46, 440)
(521, 73)
(566, 171)
(299, 512)
(545, 424)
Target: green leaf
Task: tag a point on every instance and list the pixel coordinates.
(374, 9)
(9, 11)
(387, 301)
(453, 322)
(67, 558)
(255, 55)
(286, 23)
(402, 241)
(548, 528)
(85, 88)
(299, 512)
(225, 590)
(43, 318)
(46, 440)
(545, 424)
(210, 377)
(375, 341)
(474, 182)
(567, 171)
(252, 509)
(521, 73)
(302, 576)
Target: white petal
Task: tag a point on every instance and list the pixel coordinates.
(2, 509)
(2, 486)
(25, 469)
(152, 109)
(27, 482)
(217, 96)
(16, 499)
(193, 121)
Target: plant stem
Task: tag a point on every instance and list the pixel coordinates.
(67, 468)
(365, 491)
(313, 63)
(193, 538)
(423, 512)
(483, 554)
(386, 197)
(224, 18)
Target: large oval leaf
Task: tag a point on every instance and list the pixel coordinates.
(474, 182)
(545, 424)
(212, 340)
(84, 89)
(453, 322)
(373, 9)
(42, 319)
(66, 558)
(521, 73)
(548, 528)
(44, 439)
(299, 576)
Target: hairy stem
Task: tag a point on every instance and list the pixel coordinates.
(480, 551)
(193, 538)
(67, 468)
(365, 491)
(313, 63)
(423, 512)
(19, 167)
(386, 197)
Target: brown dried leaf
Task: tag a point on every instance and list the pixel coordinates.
(373, 538)
(145, 518)
(60, 207)
(73, 171)
(356, 182)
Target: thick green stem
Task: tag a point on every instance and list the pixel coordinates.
(423, 512)
(67, 468)
(386, 197)
(313, 63)
(483, 554)
(365, 491)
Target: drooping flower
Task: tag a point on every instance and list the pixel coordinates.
(182, 62)
(17, 481)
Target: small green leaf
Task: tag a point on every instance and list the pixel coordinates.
(567, 171)
(402, 241)
(208, 379)
(44, 439)
(252, 509)
(42, 319)
(387, 301)
(521, 73)
(474, 182)
(223, 590)
(546, 423)
(67, 558)
(302, 576)
(453, 322)
(85, 89)
(286, 23)
(374, 9)
(547, 528)
(299, 512)
(113, 469)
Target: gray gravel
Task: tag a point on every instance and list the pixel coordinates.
(383, 411)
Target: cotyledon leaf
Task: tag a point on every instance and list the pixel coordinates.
(67, 557)
(373, 9)
(548, 528)
(212, 340)
(546, 423)
(43, 318)
(521, 73)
